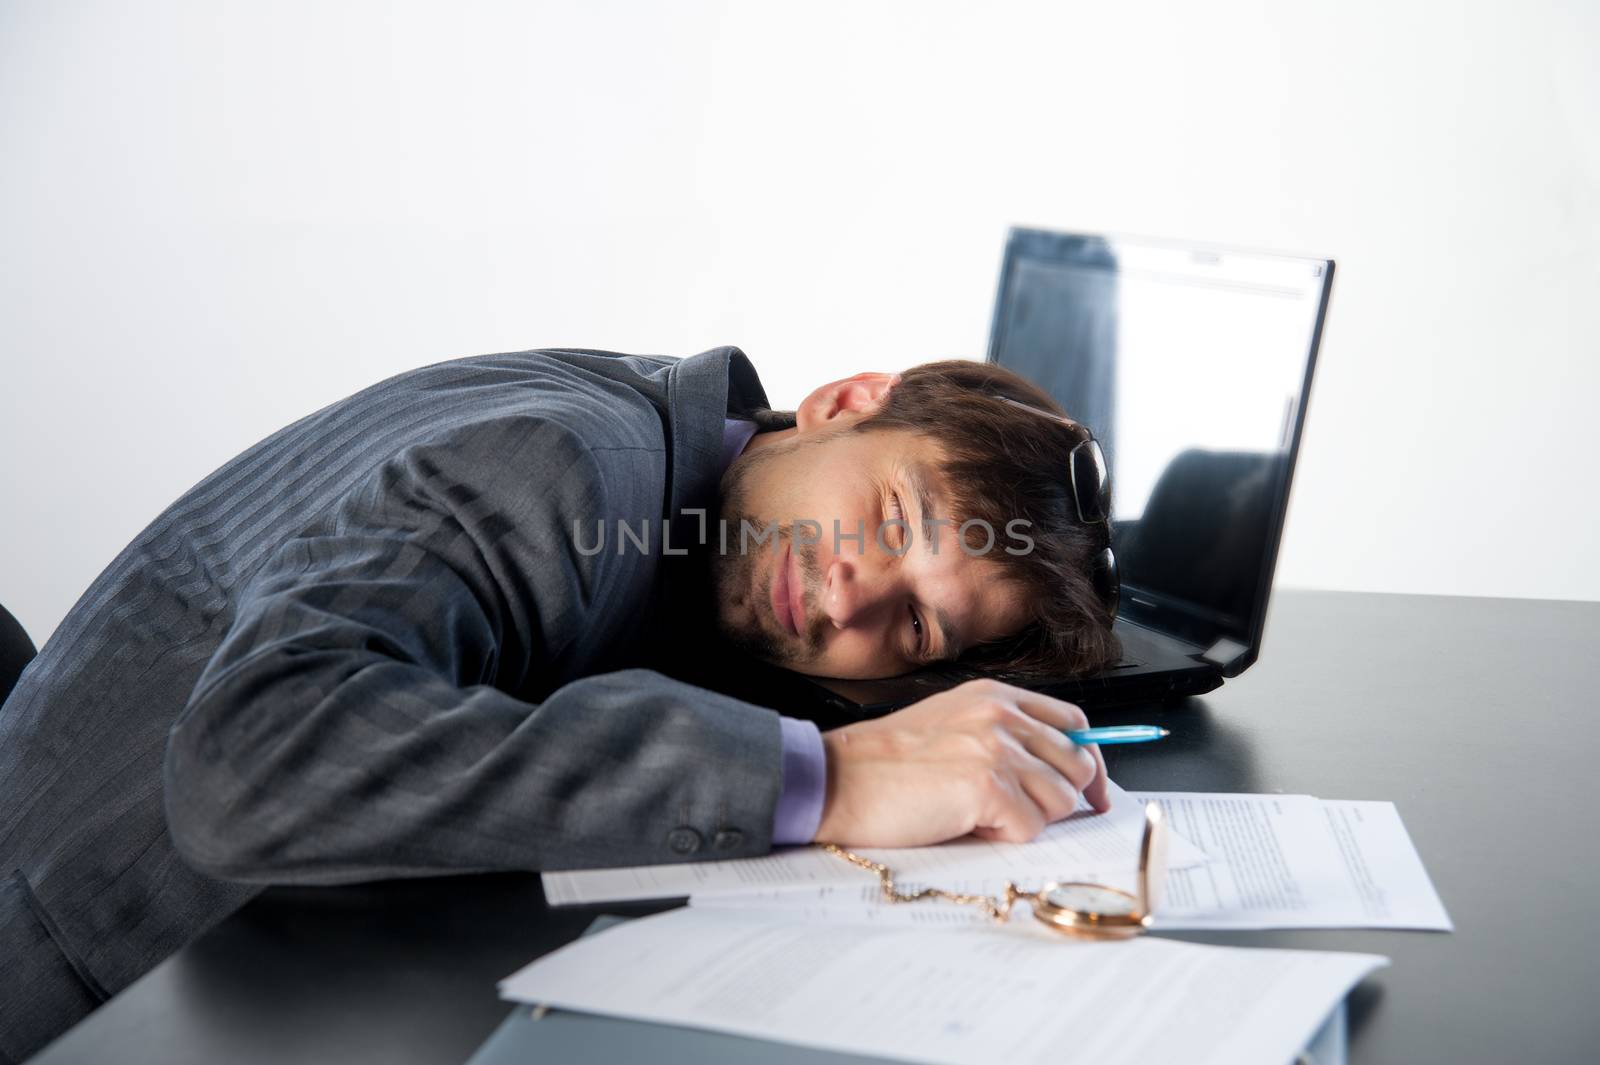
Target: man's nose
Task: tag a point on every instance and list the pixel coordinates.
(851, 592)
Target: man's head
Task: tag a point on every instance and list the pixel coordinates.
(866, 572)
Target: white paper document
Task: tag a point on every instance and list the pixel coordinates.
(1291, 861)
(1064, 851)
(1279, 861)
(956, 996)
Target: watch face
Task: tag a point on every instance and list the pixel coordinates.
(1091, 898)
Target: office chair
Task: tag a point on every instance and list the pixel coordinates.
(16, 651)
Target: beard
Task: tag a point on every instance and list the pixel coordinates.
(740, 603)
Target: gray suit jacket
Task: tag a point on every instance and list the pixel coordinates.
(367, 647)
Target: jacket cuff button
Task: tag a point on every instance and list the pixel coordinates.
(684, 840)
(727, 839)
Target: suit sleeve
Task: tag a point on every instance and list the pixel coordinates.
(356, 723)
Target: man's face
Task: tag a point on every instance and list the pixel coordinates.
(851, 608)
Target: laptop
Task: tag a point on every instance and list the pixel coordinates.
(1192, 366)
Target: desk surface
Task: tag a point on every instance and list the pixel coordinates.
(1473, 715)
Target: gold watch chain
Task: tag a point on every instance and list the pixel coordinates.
(997, 909)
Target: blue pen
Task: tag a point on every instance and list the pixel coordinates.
(1118, 734)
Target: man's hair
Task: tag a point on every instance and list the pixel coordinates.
(1004, 463)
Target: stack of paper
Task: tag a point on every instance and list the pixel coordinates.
(1238, 861)
(963, 996)
(799, 946)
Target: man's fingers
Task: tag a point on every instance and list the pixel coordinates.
(1010, 812)
(1054, 794)
(1083, 766)
(1057, 713)
(1079, 765)
(1098, 792)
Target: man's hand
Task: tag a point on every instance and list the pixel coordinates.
(984, 758)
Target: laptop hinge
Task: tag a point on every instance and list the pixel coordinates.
(1224, 653)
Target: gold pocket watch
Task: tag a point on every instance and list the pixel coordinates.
(1072, 908)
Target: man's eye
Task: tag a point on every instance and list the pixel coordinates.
(916, 630)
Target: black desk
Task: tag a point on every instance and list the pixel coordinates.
(1472, 714)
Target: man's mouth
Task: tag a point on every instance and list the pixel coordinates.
(787, 594)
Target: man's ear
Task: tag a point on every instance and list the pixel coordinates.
(853, 397)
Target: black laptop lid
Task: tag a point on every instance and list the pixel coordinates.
(1192, 366)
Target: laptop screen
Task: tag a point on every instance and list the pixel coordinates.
(1191, 367)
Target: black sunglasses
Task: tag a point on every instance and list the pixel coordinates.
(1091, 495)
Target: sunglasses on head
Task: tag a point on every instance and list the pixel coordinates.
(1091, 496)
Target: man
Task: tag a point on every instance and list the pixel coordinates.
(385, 642)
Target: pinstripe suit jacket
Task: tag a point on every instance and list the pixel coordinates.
(367, 647)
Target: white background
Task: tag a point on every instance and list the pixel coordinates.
(216, 217)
